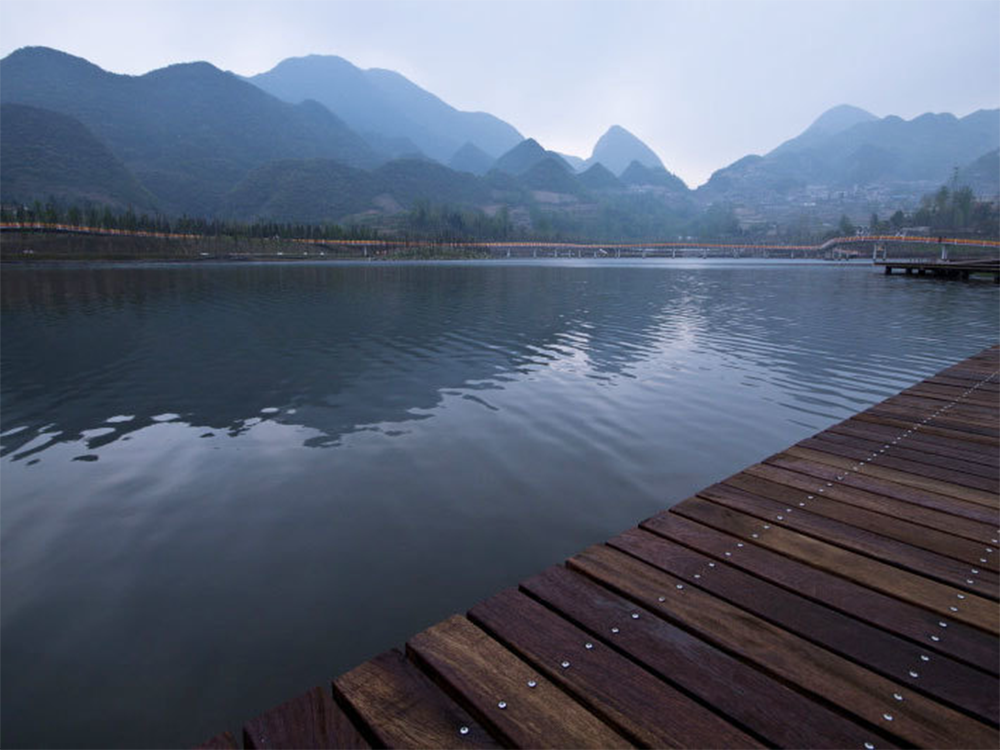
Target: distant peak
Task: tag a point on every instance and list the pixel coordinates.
(618, 148)
(839, 118)
(47, 53)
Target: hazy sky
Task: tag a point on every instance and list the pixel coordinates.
(703, 83)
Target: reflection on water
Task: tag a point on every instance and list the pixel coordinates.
(225, 483)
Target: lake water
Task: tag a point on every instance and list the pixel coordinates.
(225, 483)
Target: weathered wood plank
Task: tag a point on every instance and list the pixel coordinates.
(972, 495)
(883, 458)
(875, 485)
(493, 684)
(830, 505)
(975, 535)
(731, 686)
(946, 570)
(400, 706)
(913, 718)
(308, 720)
(866, 446)
(925, 444)
(641, 707)
(940, 598)
(951, 682)
(894, 420)
(959, 641)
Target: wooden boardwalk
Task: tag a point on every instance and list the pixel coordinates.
(953, 269)
(841, 593)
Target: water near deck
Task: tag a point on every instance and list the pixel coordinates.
(222, 484)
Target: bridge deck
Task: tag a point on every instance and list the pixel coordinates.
(841, 593)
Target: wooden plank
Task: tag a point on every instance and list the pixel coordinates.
(976, 535)
(988, 387)
(982, 415)
(646, 710)
(729, 685)
(308, 720)
(965, 552)
(917, 412)
(970, 494)
(949, 393)
(877, 486)
(952, 682)
(973, 610)
(867, 445)
(959, 641)
(930, 444)
(905, 556)
(914, 417)
(892, 420)
(493, 685)
(399, 706)
(913, 718)
(886, 458)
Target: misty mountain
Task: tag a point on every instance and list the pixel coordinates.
(471, 158)
(45, 153)
(846, 147)
(599, 177)
(578, 164)
(300, 190)
(982, 175)
(323, 190)
(382, 103)
(187, 132)
(640, 175)
(618, 148)
(552, 175)
(524, 156)
(834, 120)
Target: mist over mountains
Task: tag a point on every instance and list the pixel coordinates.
(317, 139)
(383, 106)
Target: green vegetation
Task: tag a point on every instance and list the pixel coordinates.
(94, 217)
(956, 212)
(46, 153)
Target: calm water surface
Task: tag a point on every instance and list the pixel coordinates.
(222, 484)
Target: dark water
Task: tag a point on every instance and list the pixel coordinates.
(222, 484)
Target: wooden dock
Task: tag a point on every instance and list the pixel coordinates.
(947, 269)
(841, 593)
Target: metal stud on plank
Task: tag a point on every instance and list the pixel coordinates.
(564, 664)
(532, 683)
(463, 730)
(502, 705)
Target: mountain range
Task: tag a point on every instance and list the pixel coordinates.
(386, 108)
(318, 139)
(848, 147)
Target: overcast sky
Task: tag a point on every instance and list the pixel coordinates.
(703, 83)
